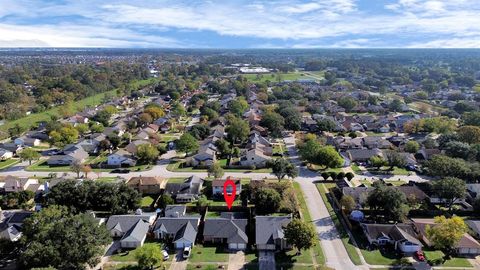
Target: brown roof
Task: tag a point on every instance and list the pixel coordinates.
(148, 181)
(467, 241)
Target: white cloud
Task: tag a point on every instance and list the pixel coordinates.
(77, 36)
(348, 23)
(449, 43)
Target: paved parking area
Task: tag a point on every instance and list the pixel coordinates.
(266, 260)
(178, 262)
(236, 260)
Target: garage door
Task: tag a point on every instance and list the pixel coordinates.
(242, 246)
(232, 246)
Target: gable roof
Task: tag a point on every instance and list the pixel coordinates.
(396, 232)
(183, 228)
(268, 228)
(227, 226)
(137, 232)
(124, 223)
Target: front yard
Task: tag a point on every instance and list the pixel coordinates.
(208, 254)
(42, 166)
(8, 163)
(386, 170)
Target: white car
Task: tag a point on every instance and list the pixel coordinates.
(165, 255)
(186, 252)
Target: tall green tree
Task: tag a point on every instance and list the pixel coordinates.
(237, 130)
(300, 234)
(446, 232)
(149, 256)
(187, 143)
(215, 170)
(29, 154)
(450, 189)
(391, 201)
(282, 167)
(54, 237)
(148, 153)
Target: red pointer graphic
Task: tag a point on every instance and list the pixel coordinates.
(229, 193)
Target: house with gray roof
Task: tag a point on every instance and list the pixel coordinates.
(403, 237)
(230, 228)
(71, 153)
(269, 232)
(188, 191)
(131, 229)
(180, 231)
(175, 210)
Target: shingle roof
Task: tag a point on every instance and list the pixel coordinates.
(185, 227)
(229, 227)
(137, 232)
(124, 223)
(268, 228)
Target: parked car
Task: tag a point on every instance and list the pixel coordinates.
(420, 256)
(186, 252)
(165, 255)
(120, 171)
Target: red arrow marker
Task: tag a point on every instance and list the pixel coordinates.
(229, 194)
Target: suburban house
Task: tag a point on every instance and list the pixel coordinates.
(131, 229)
(27, 141)
(133, 146)
(206, 156)
(181, 231)
(12, 147)
(217, 186)
(174, 210)
(360, 194)
(466, 246)
(147, 185)
(361, 155)
(188, 191)
(17, 184)
(5, 154)
(402, 237)
(474, 226)
(11, 224)
(230, 228)
(254, 157)
(269, 234)
(121, 158)
(71, 153)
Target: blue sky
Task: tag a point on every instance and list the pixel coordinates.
(240, 23)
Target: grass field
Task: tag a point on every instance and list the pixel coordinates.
(8, 163)
(32, 119)
(290, 76)
(146, 201)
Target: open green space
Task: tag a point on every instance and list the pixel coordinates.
(8, 163)
(30, 120)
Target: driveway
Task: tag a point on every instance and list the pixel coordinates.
(178, 262)
(266, 260)
(236, 260)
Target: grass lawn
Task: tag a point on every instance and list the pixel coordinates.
(396, 183)
(317, 249)
(176, 180)
(32, 119)
(208, 254)
(356, 169)
(291, 256)
(8, 163)
(321, 169)
(273, 77)
(386, 170)
(108, 179)
(352, 253)
(212, 266)
(434, 255)
(146, 201)
(278, 149)
(129, 255)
